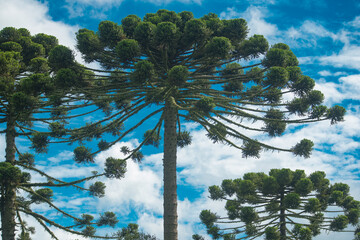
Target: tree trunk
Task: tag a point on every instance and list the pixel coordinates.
(282, 218)
(8, 196)
(169, 161)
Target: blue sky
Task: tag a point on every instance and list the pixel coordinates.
(325, 35)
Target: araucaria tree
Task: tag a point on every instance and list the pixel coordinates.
(282, 205)
(168, 68)
(31, 87)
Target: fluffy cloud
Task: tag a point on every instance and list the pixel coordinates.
(354, 23)
(348, 57)
(348, 88)
(255, 18)
(98, 8)
(34, 16)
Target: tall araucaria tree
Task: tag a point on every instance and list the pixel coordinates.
(32, 85)
(283, 205)
(168, 68)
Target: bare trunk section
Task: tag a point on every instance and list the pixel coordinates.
(8, 193)
(282, 218)
(170, 186)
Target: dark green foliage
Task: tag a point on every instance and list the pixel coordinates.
(178, 75)
(264, 204)
(152, 137)
(216, 193)
(61, 57)
(88, 44)
(303, 148)
(47, 41)
(129, 24)
(39, 142)
(218, 47)
(339, 223)
(251, 149)
(108, 218)
(336, 114)
(65, 78)
(89, 231)
(197, 237)
(127, 50)
(9, 174)
(313, 205)
(208, 218)
(110, 33)
(303, 85)
(217, 133)
(195, 31)
(205, 105)
(276, 77)
(97, 189)
(57, 129)
(144, 72)
(254, 47)
(41, 195)
(277, 56)
(27, 159)
(39, 80)
(183, 139)
(103, 145)
(174, 63)
(11, 46)
(82, 154)
(115, 168)
(131, 232)
(85, 219)
(304, 186)
(166, 34)
(298, 106)
(318, 111)
(292, 200)
(144, 33)
(274, 126)
(137, 156)
(272, 233)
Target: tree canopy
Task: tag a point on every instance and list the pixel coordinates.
(30, 89)
(284, 204)
(170, 67)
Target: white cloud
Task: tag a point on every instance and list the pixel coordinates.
(355, 23)
(139, 189)
(98, 8)
(34, 16)
(151, 224)
(336, 93)
(326, 73)
(255, 18)
(62, 156)
(348, 57)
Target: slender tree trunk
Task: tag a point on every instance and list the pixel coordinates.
(282, 218)
(8, 196)
(170, 186)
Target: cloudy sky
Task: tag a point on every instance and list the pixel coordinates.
(324, 34)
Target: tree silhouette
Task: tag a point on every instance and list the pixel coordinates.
(168, 68)
(282, 205)
(32, 86)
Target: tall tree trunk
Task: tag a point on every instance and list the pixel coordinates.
(170, 186)
(8, 196)
(282, 217)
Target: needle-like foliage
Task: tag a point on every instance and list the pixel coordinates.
(33, 82)
(170, 67)
(284, 204)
